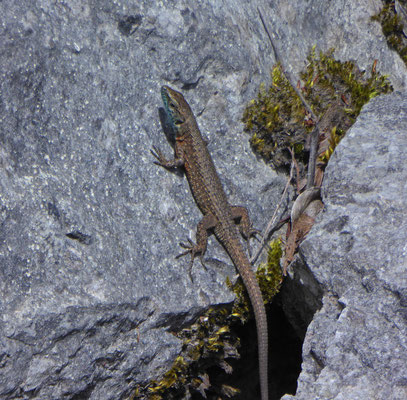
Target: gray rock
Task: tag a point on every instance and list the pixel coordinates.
(89, 226)
(355, 347)
(345, 25)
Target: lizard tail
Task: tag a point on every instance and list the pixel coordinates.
(242, 264)
(256, 299)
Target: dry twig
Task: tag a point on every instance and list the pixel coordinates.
(315, 133)
(272, 226)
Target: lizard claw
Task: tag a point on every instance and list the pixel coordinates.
(162, 161)
(191, 248)
(187, 246)
(247, 235)
(254, 232)
(156, 152)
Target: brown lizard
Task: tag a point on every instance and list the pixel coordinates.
(219, 216)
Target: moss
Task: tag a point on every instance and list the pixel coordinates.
(392, 28)
(206, 343)
(269, 118)
(277, 120)
(209, 341)
(176, 375)
(334, 139)
(269, 274)
(269, 277)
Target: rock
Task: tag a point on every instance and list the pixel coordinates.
(355, 346)
(344, 25)
(89, 226)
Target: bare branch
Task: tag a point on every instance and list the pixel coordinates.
(272, 226)
(315, 133)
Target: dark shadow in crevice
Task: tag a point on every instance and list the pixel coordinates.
(289, 315)
(284, 359)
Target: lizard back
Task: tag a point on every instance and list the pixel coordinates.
(192, 153)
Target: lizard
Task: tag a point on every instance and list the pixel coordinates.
(219, 217)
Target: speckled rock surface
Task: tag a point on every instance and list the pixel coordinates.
(355, 347)
(345, 25)
(89, 226)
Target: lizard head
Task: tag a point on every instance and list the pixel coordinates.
(176, 107)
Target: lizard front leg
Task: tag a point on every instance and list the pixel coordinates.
(207, 223)
(163, 162)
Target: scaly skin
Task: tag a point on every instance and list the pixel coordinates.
(218, 215)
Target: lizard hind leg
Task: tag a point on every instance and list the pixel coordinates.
(207, 223)
(191, 248)
(241, 217)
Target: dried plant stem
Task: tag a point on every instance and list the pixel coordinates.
(315, 133)
(272, 226)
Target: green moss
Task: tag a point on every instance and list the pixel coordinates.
(392, 28)
(209, 341)
(269, 277)
(266, 118)
(269, 274)
(336, 80)
(175, 376)
(334, 139)
(277, 119)
(206, 343)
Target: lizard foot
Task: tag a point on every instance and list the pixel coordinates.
(161, 160)
(252, 233)
(193, 249)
